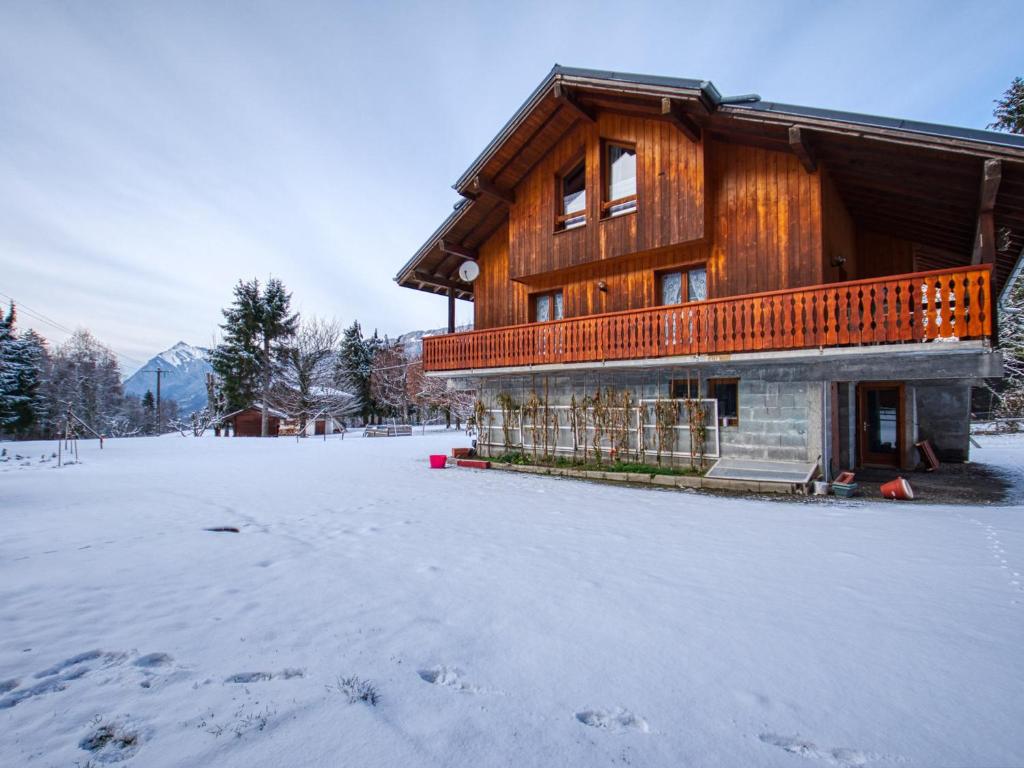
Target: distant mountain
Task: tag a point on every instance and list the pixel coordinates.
(185, 368)
(184, 378)
(413, 340)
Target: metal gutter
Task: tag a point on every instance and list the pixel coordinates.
(937, 130)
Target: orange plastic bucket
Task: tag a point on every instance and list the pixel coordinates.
(438, 461)
(898, 489)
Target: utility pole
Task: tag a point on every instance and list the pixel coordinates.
(158, 371)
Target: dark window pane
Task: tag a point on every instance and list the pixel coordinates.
(685, 389)
(727, 395)
(883, 420)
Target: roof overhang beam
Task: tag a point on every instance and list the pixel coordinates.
(985, 230)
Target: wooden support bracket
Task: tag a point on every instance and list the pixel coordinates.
(562, 94)
(447, 246)
(481, 186)
(798, 143)
(680, 119)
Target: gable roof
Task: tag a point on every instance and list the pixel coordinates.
(913, 179)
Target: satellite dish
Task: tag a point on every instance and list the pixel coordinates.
(469, 271)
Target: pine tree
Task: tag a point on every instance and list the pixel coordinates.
(1009, 111)
(257, 328)
(236, 359)
(277, 325)
(32, 418)
(12, 372)
(355, 365)
(149, 410)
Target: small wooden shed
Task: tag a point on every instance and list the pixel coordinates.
(248, 422)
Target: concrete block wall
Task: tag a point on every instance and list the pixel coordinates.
(943, 417)
(778, 420)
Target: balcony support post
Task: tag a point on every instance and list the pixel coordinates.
(451, 309)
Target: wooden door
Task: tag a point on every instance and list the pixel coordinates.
(880, 424)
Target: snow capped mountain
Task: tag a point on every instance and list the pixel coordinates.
(183, 379)
(185, 367)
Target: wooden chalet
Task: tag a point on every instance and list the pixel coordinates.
(827, 282)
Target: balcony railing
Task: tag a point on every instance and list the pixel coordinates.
(918, 307)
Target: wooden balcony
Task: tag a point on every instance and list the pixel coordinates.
(918, 307)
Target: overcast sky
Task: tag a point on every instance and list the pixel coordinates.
(151, 154)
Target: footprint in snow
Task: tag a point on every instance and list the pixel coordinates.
(449, 677)
(154, 660)
(70, 662)
(617, 720)
(838, 756)
(258, 677)
(51, 684)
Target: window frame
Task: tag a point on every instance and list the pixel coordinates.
(551, 294)
(710, 387)
(561, 217)
(684, 287)
(692, 385)
(606, 170)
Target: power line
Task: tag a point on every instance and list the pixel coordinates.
(34, 314)
(39, 316)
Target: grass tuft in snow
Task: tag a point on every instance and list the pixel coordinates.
(356, 689)
(111, 742)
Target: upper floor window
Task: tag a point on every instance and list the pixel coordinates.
(547, 306)
(679, 285)
(572, 191)
(619, 179)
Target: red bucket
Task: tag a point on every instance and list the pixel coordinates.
(898, 489)
(438, 461)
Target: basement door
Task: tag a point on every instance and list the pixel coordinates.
(880, 426)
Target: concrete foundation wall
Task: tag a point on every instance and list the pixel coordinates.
(943, 418)
(780, 420)
(787, 410)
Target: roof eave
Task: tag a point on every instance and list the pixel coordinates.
(595, 79)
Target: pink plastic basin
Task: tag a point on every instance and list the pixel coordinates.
(438, 461)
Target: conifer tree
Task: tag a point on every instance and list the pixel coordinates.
(1009, 111)
(355, 366)
(257, 327)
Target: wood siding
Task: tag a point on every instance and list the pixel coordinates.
(670, 198)
(767, 222)
(838, 235)
(764, 213)
(770, 226)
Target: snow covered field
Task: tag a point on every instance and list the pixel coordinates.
(502, 619)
